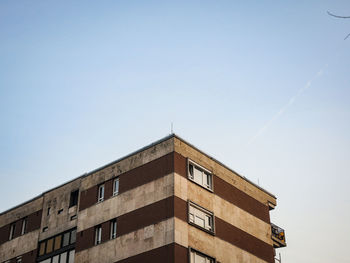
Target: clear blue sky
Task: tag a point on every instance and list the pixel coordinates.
(263, 86)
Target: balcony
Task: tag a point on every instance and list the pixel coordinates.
(278, 236)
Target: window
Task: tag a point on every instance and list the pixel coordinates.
(45, 229)
(19, 260)
(48, 211)
(101, 192)
(60, 211)
(98, 235)
(73, 236)
(74, 198)
(58, 241)
(24, 226)
(200, 217)
(198, 257)
(116, 186)
(71, 256)
(58, 244)
(200, 175)
(113, 229)
(12, 230)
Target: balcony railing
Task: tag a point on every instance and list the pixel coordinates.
(278, 236)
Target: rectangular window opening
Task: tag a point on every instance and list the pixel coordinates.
(74, 198)
(200, 217)
(24, 226)
(101, 193)
(12, 231)
(98, 234)
(113, 229)
(116, 186)
(200, 175)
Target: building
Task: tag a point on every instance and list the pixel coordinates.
(167, 202)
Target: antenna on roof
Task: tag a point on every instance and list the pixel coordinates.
(172, 128)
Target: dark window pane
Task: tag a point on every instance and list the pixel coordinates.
(65, 239)
(73, 236)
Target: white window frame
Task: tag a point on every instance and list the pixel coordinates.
(12, 230)
(206, 180)
(98, 235)
(194, 254)
(115, 189)
(101, 193)
(196, 213)
(24, 226)
(113, 226)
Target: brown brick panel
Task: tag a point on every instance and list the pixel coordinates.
(241, 199)
(147, 173)
(131, 179)
(129, 222)
(231, 234)
(33, 223)
(145, 216)
(4, 233)
(180, 254)
(108, 189)
(105, 231)
(229, 192)
(88, 197)
(172, 253)
(85, 239)
(243, 240)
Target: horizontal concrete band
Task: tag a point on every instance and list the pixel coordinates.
(174, 162)
(174, 207)
(171, 253)
(131, 179)
(33, 223)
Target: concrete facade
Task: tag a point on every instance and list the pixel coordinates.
(147, 217)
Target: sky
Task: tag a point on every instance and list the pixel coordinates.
(262, 86)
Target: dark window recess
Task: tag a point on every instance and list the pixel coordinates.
(74, 198)
(60, 211)
(45, 229)
(48, 211)
(73, 217)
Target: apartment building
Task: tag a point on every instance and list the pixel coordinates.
(167, 202)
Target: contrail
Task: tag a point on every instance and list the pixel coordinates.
(285, 107)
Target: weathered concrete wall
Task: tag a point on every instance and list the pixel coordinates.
(58, 199)
(222, 172)
(19, 246)
(189, 236)
(128, 163)
(137, 242)
(187, 190)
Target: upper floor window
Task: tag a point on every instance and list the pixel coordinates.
(24, 226)
(116, 186)
(98, 235)
(198, 257)
(12, 231)
(113, 229)
(101, 192)
(200, 175)
(74, 198)
(201, 217)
